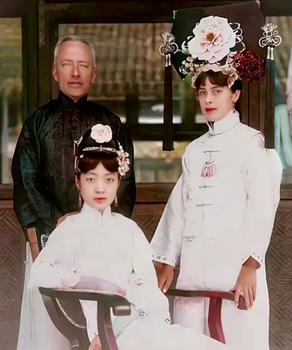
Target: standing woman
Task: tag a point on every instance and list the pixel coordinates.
(217, 223)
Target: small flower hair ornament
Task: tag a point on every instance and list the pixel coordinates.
(99, 138)
(218, 45)
(101, 133)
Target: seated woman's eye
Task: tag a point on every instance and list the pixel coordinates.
(109, 180)
(202, 92)
(217, 91)
(90, 179)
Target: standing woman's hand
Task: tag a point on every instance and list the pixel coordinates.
(246, 285)
(165, 274)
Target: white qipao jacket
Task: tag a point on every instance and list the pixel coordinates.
(113, 247)
(221, 212)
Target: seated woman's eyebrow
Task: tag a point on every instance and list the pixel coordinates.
(91, 173)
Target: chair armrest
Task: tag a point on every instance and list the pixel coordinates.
(105, 300)
(227, 295)
(215, 303)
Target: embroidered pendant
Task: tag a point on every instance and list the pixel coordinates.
(209, 169)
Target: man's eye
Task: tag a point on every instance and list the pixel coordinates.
(84, 65)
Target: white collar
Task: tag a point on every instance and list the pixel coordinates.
(97, 216)
(225, 124)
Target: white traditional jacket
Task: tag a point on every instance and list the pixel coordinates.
(238, 202)
(108, 246)
(113, 247)
(212, 224)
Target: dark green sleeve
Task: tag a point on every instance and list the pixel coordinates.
(32, 204)
(127, 190)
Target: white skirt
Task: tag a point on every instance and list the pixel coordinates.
(36, 330)
(148, 333)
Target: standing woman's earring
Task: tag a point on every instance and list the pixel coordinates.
(116, 201)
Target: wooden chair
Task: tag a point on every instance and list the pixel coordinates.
(215, 303)
(55, 299)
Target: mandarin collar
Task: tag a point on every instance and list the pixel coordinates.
(98, 217)
(69, 104)
(225, 124)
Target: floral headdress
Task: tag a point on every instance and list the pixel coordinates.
(99, 138)
(218, 46)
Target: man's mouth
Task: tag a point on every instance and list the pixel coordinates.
(75, 83)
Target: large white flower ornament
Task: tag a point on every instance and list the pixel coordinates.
(101, 133)
(213, 39)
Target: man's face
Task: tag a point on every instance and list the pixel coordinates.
(73, 69)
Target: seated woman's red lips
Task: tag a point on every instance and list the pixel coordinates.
(101, 199)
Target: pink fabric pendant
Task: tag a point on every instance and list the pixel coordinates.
(209, 169)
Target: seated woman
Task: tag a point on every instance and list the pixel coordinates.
(96, 244)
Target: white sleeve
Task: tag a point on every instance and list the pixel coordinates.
(142, 260)
(167, 241)
(263, 173)
(54, 266)
(144, 292)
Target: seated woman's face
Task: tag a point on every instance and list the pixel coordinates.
(216, 101)
(98, 187)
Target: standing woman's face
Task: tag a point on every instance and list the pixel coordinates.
(216, 101)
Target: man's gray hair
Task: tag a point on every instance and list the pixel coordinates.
(77, 39)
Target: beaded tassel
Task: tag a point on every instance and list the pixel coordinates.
(209, 169)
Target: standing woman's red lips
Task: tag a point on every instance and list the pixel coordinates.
(210, 109)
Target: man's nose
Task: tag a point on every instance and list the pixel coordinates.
(75, 71)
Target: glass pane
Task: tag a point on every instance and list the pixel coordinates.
(283, 109)
(131, 71)
(10, 91)
(154, 165)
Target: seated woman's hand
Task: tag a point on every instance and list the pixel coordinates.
(165, 274)
(100, 284)
(246, 283)
(95, 344)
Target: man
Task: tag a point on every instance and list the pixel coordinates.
(43, 162)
